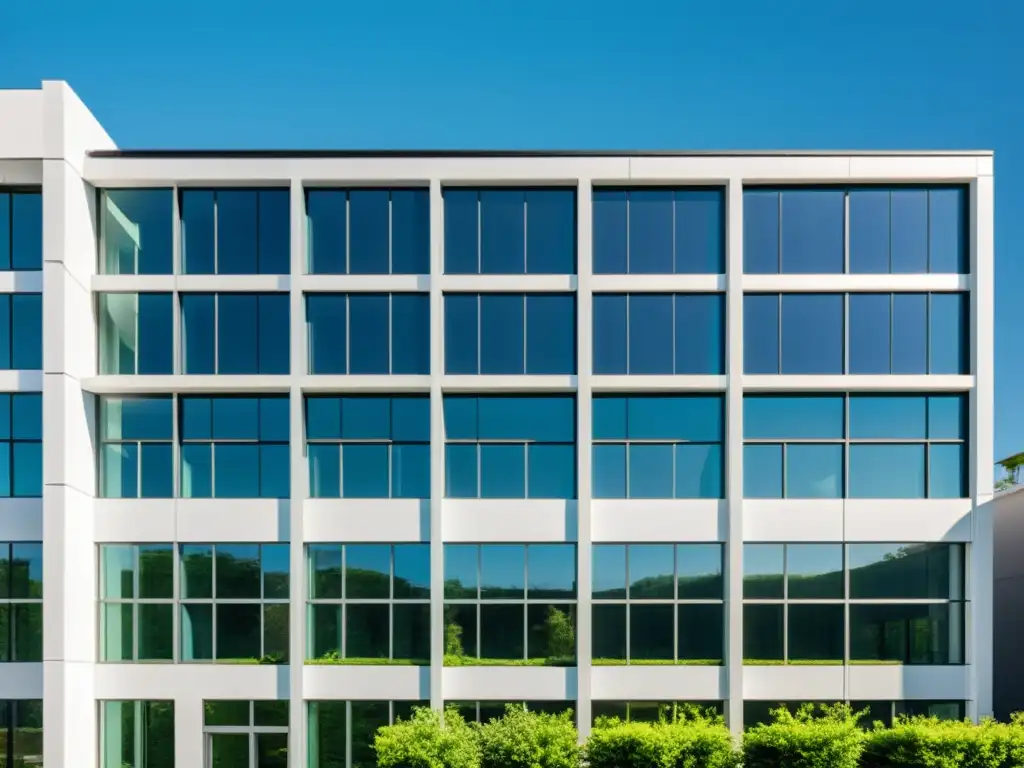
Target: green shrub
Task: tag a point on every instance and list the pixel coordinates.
(422, 742)
(694, 740)
(927, 742)
(828, 738)
(523, 739)
(1015, 740)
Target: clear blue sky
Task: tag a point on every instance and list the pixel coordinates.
(703, 74)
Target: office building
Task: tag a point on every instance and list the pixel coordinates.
(296, 441)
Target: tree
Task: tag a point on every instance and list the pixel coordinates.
(560, 635)
(453, 640)
(1011, 465)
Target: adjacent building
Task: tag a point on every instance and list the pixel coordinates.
(296, 441)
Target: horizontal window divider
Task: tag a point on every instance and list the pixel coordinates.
(633, 441)
(854, 283)
(642, 383)
(368, 601)
(874, 383)
(209, 384)
(659, 601)
(851, 441)
(322, 283)
(382, 383)
(516, 283)
(489, 441)
(667, 283)
(512, 601)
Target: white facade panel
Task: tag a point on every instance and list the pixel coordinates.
(510, 683)
(654, 683)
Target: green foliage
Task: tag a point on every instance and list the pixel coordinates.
(560, 634)
(453, 639)
(523, 739)
(927, 742)
(696, 739)
(826, 738)
(422, 742)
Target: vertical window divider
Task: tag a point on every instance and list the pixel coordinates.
(846, 332)
(675, 597)
(216, 230)
(778, 265)
(479, 598)
(526, 202)
(213, 605)
(479, 262)
(888, 196)
(391, 605)
(892, 328)
(629, 639)
(846, 231)
(927, 332)
(675, 299)
(391, 328)
(628, 271)
(479, 334)
(785, 604)
(627, 342)
(526, 324)
(348, 324)
(348, 239)
(391, 236)
(526, 603)
(778, 352)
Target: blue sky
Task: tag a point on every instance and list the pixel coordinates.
(729, 74)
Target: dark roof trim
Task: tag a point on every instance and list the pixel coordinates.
(180, 154)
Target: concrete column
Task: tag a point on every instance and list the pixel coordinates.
(436, 446)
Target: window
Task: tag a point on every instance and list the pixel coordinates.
(136, 333)
(235, 447)
(375, 333)
(509, 604)
(508, 333)
(136, 447)
(240, 734)
(651, 333)
(341, 732)
(136, 602)
(21, 331)
(897, 446)
(485, 711)
(657, 447)
(658, 604)
(659, 231)
(137, 734)
(235, 333)
(21, 230)
(651, 711)
(235, 232)
(368, 231)
(797, 333)
(369, 603)
(21, 601)
(510, 447)
(368, 447)
(137, 228)
(21, 445)
(21, 732)
(891, 231)
(509, 231)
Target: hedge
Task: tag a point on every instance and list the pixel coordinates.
(422, 742)
(827, 738)
(523, 739)
(694, 740)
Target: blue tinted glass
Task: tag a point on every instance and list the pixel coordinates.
(812, 333)
(196, 471)
(460, 467)
(814, 471)
(274, 418)
(368, 333)
(502, 570)
(275, 472)
(909, 234)
(156, 333)
(762, 471)
(5, 237)
(410, 333)
(237, 243)
(501, 333)
(27, 230)
(666, 417)
(275, 232)
(699, 225)
(410, 419)
(887, 471)
(813, 231)
(237, 471)
(869, 332)
(5, 415)
(869, 231)
(610, 232)
(28, 417)
(698, 471)
(324, 470)
(761, 333)
(760, 232)
(550, 334)
(699, 342)
(890, 417)
(947, 476)
(461, 232)
(368, 243)
(461, 350)
(235, 418)
(947, 417)
(551, 232)
(27, 339)
(460, 418)
(326, 231)
(366, 418)
(5, 476)
(651, 471)
(609, 472)
(792, 416)
(237, 333)
(326, 315)
(609, 418)
(552, 471)
(274, 333)
(28, 469)
(949, 333)
(502, 471)
(947, 230)
(502, 232)
(7, 340)
(197, 230)
(119, 474)
(197, 339)
(410, 231)
(650, 232)
(410, 471)
(364, 471)
(196, 418)
(610, 334)
(650, 333)
(542, 419)
(323, 418)
(461, 563)
(910, 333)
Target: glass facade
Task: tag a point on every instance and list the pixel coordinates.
(136, 734)
(235, 333)
(137, 232)
(341, 732)
(235, 231)
(21, 230)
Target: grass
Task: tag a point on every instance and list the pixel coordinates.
(368, 662)
(451, 660)
(657, 663)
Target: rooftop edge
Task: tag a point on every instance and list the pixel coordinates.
(470, 153)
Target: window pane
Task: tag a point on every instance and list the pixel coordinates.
(760, 232)
(760, 333)
(410, 231)
(411, 633)
(947, 226)
(27, 336)
(701, 633)
(367, 717)
(137, 232)
(869, 333)
(197, 232)
(609, 571)
(699, 226)
(887, 471)
(503, 471)
(698, 471)
(5, 232)
(551, 471)
(887, 416)
(461, 339)
(910, 333)
(685, 417)
(869, 231)
(156, 571)
(815, 571)
(651, 571)
(812, 333)
(763, 567)
(368, 236)
(326, 319)
(116, 632)
(762, 471)
(410, 418)
(906, 571)
(460, 570)
(274, 418)
(366, 418)
(235, 418)
(763, 628)
(366, 631)
(699, 571)
(238, 471)
(26, 579)
(28, 416)
(793, 416)
(412, 571)
(651, 471)
(324, 570)
(237, 333)
(699, 337)
(156, 343)
(196, 471)
(365, 471)
(117, 571)
(552, 571)
(28, 469)
(197, 332)
(816, 633)
(609, 417)
(610, 232)
(650, 232)
(326, 230)
(197, 631)
(551, 633)
(156, 631)
(609, 472)
(461, 470)
(367, 571)
(237, 244)
(119, 479)
(410, 471)
(324, 630)
(196, 570)
(369, 332)
(812, 231)
(461, 232)
(275, 565)
(502, 232)
(610, 334)
(274, 333)
(550, 334)
(238, 631)
(410, 338)
(651, 632)
(501, 333)
(947, 473)
(502, 571)
(909, 234)
(275, 232)
(324, 471)
(502, 633)
(540, 419)
(949, 332)
(907, 634)
(238, 571)
(609, 632)
(814, 471)
(551, 231)
(947, 417)
(650, 334)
